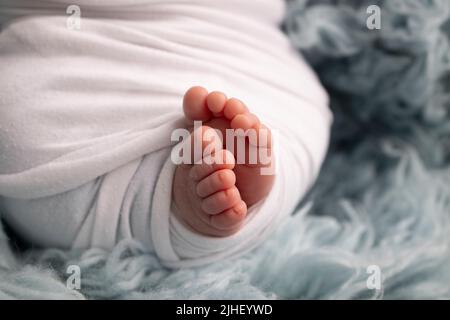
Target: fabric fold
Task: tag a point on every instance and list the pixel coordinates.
(87, 105)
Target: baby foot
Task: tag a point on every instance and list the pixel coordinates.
(217, 111)
(205, 196)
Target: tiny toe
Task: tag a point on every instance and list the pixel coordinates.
(216, 103)
(194, 104)
(217, 181)
(222, 160)
(230, 219)
(233, 107)
(245, 121)
(221, 201)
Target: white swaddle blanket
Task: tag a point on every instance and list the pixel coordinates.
(86, 117)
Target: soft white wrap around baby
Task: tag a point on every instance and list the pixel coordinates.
(86, 117)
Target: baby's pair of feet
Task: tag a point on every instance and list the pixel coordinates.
(212, 196)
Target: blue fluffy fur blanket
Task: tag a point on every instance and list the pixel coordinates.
(381, 205)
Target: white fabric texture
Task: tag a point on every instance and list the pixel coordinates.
(86, 117)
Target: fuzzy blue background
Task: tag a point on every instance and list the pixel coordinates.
(383, 197)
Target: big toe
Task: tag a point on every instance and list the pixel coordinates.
(194, 104)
